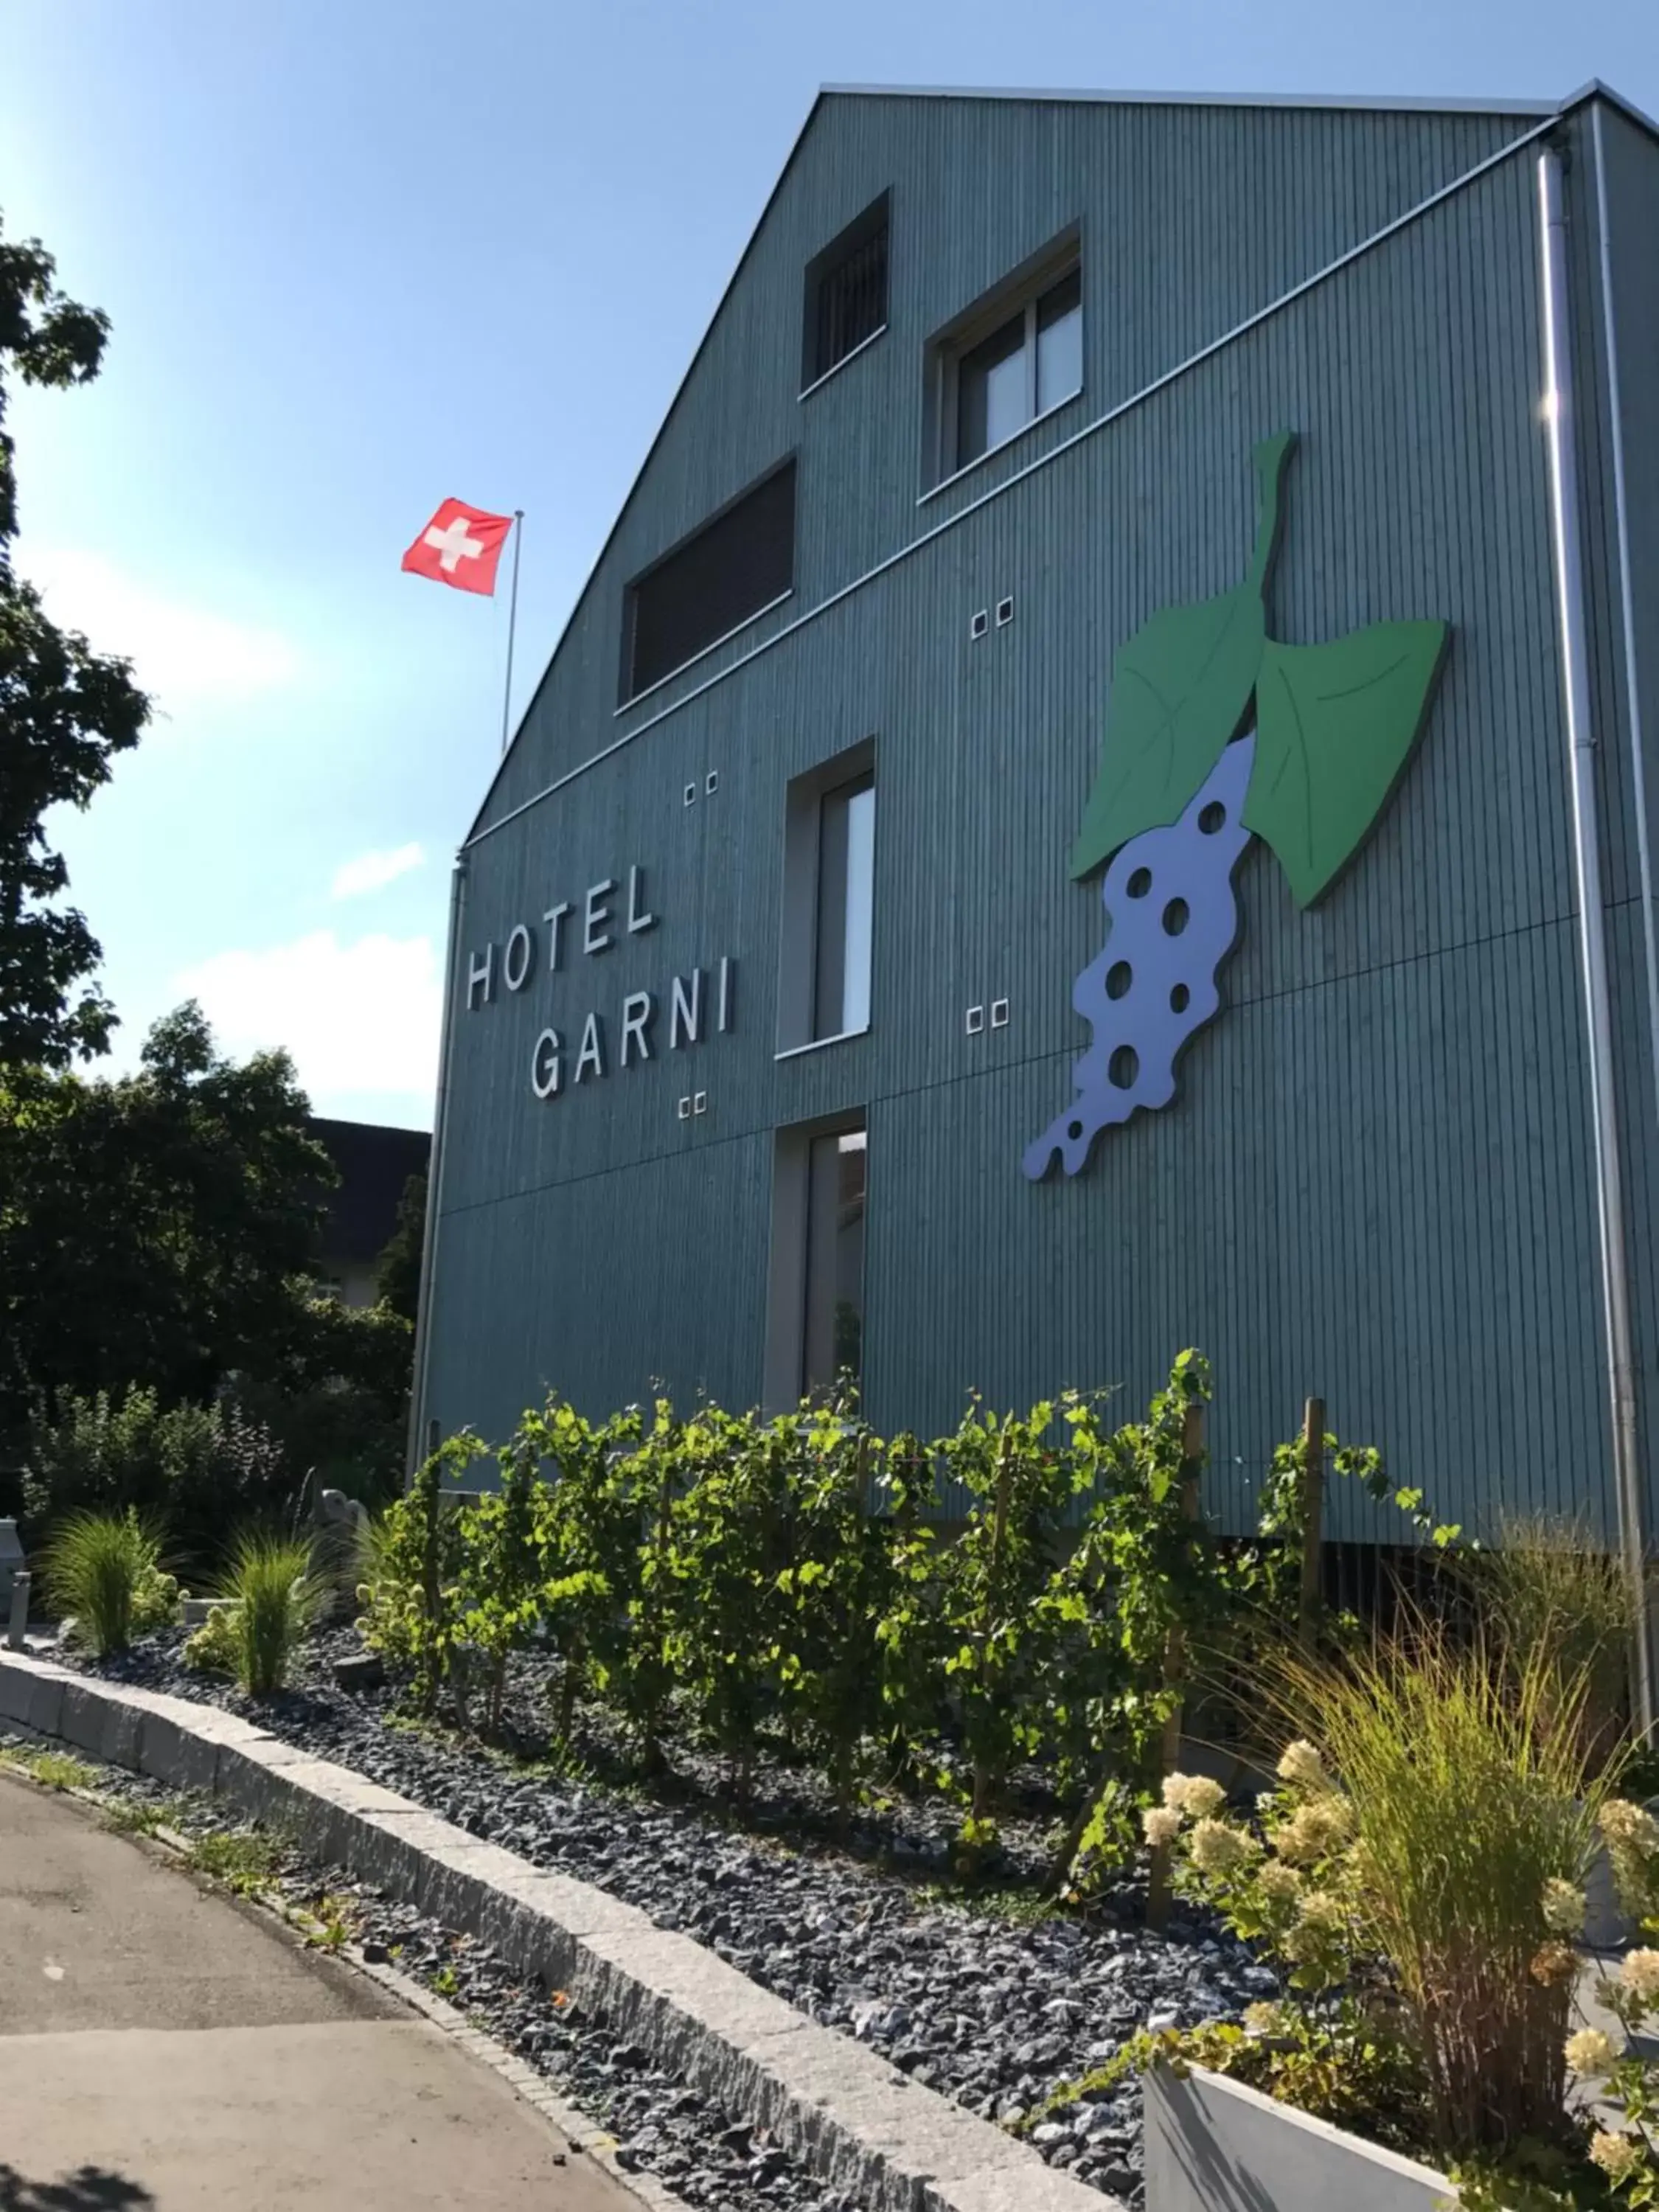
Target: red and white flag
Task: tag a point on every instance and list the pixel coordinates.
(461, 546)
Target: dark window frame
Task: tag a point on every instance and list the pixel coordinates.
(821, 353)
(633, 683)
(801, 930)
(1017, 298)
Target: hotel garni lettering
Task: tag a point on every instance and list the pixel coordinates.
(699, 1004)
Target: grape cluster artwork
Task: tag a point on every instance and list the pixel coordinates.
(1215, 735)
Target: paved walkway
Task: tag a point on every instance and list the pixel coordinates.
(162, 2046)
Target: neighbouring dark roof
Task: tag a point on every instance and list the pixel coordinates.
(374, 1165)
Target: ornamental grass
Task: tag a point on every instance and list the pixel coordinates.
(1420, 1870)
(277, 1596)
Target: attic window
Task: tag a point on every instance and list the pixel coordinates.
(736, 566)
(845, 294)
(1014, 357)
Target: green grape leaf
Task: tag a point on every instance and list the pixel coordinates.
(1336, 725)
(1180, 691)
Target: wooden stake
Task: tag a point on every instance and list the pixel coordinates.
(1313, 1520)
(1159, 1887)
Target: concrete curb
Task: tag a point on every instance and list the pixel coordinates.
(859, 2122)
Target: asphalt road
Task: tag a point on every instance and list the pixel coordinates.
(162, 2046)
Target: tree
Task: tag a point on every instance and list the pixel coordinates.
(64, 712)
(397, 1273)
(159, 1230)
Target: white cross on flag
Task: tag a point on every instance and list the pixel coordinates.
(461, 546)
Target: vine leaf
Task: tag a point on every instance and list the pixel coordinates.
(1180, 693)
(1335, 725)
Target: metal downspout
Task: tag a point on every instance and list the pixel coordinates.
(416, 1451)
(1581, 749)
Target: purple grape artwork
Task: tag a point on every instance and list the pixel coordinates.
(1173, 912)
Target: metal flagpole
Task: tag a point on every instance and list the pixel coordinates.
(512, 622)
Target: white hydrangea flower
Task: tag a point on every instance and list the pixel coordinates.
(1617, 2155)
(1200, 1794)
(1218, 1848)
(1160, 1824)
(1630, 1827)
(1302, 1766)
(1279, 1883)
(1640, 1975)
(1564, 1907)
(1590, 2051)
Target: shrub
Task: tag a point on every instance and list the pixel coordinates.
(216, 1647)
(725, 1553)
(199, 1469)
(104, 1569)
(1435, 1818)
(853, 1522)
(276, 1598)
(412, 1573)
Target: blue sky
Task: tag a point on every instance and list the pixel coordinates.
(363, 256)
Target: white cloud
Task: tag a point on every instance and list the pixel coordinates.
(373, 871)
(182, 653)
(361, 1017)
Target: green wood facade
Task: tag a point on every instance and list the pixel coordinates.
(1377, 1180)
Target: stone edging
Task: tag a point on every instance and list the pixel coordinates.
(859, 2123)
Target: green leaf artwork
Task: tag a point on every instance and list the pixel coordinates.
(1323, 733)
(1181, 690)
(1335, 723)
(1335, 726)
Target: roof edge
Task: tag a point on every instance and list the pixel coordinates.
(638, 478)
(1403, 104)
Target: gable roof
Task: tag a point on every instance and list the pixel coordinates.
(1522, 110)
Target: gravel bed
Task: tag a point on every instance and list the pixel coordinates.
(713, 2159)
(993, 2009)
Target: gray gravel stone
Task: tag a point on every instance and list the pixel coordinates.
(994, 2013)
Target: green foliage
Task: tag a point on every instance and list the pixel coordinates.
(397, 1274)
(158, 1229)
(1343, 2066)
(412, 1573)
(64, 712)
(197, 1470)
(276, 1599)
(853, 1521)
(726, 1547)
(53, 1770)
(215, 1648)
(105, 1569)
(244, 1860)
(995, 1632)
(1437, 1877)
(1547, 1586)
(787, 1582)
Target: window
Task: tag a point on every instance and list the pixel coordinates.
(833, 1338)
(847, 851)
(845, 293)
(815, 1291)
(829, 900)
(711, 583)
(1009, 361)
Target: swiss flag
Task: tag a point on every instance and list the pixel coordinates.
(461, 546)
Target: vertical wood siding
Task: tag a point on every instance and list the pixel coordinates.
(1376, 1182)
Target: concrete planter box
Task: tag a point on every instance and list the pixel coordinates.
(1216, 2146)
